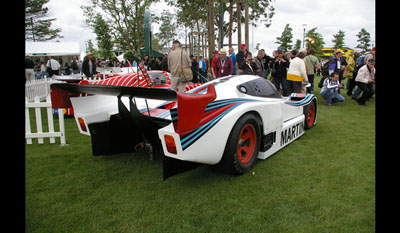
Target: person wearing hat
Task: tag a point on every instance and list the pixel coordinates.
(223, 65)
(338, 64)
(241, 58)
(364, 80)
(89, 65)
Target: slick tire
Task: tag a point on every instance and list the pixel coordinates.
(310, 114)
(242, 147)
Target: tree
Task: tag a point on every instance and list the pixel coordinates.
(363, 39)
(90, 48)
(190, 14)
(37, 28)
(285, 40)
(315, 40)
(125, 18)
(262, 11)
(167, 28)
(297, 45)
(103, 37)
(338, 39)
(195, 12)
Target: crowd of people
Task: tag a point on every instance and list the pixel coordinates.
(290, 72)
(294, 72)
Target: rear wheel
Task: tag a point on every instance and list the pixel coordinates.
(310, 114)
(243, 146)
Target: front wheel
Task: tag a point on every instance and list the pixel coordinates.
(243, 145)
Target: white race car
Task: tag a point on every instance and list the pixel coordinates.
(228, 122)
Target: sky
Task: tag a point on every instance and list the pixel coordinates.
(329, 16)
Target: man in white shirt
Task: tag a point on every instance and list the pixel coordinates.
(54, 66)
(364, 80)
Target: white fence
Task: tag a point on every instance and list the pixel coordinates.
(39, 87)
(37, 105)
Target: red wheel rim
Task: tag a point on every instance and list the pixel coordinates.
(246, 144)
(311, 115)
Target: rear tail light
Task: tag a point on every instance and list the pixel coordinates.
(82, 124)
(170, 143)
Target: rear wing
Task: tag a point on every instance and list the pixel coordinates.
(119, 91)
(190, 105)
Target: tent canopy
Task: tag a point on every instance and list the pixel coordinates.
(51, 48)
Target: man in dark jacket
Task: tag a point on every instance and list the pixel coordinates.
(249, 65)
(338, 64)
(280, 64)
(89, 66)
(241, 58)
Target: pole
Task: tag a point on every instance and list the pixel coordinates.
(221, 26)
(304, 33)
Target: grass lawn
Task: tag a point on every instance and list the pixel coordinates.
(322, 182)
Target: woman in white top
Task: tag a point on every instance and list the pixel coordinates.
(296, 74)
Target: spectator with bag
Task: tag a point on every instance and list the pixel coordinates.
(53, 67)
(312, 65)
(178, 60)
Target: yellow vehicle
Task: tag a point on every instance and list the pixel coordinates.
(328, 52)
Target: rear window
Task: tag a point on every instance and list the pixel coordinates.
(259, 87)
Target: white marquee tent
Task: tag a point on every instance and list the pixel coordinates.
(52, 48)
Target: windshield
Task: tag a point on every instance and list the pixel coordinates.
(260, 87)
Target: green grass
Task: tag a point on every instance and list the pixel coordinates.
(322, 182)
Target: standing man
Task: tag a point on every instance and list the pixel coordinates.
(232, 55)
(195, 68)
(223, 65)
(202, 69)
(312, 65)
(338, 64)
(75, 66)
(215, 57)
(241, 58)
(259, 62)
(89, 66)
(177, 59)
(350, 74)
(266, 63)
(281, 64)
(54, 66)
(29, 72)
